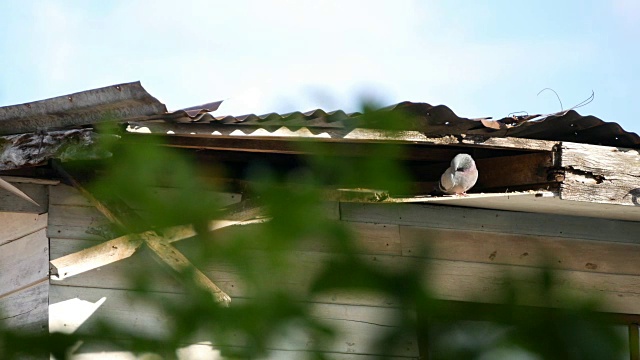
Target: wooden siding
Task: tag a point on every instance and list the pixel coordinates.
(11, 203)
(359, 318)
(24, 285)
(468, 252)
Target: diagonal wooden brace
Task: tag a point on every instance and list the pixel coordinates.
(168, 254)
(125, 246)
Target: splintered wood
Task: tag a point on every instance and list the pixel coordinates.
(600, 174)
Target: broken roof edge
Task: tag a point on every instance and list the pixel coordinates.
(130, 102)
(121, 101)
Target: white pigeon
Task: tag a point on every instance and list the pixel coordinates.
(460, 176)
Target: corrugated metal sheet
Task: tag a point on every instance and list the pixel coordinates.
(441, 120)
(123, 101)
(131, 103)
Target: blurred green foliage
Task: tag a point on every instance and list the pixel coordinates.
(266, 260)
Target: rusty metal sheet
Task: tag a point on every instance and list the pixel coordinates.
(83, 108)
(130, 103)
(439, 120)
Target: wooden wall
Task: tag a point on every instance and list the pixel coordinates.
(471, 250)
(24, 269)
(107, 292)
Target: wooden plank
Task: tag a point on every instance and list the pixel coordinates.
(26, 310)
(510, 222)
(452, 280)
(179, 263)
(358, 327)
(67, 195)
(372, 239)
(476, 282)
(544, 202)
(29, 180)
(522, 250)
(17, 225)
(95, 256)
(23, 262)
(203, 350)
(4, 184)
(74, 232)
(369, 238)
(117, 275)
(13, 203)
(357, 135)
(76, 216)
(601, 174)
(124, 246)
(123, 216)
(470, 140)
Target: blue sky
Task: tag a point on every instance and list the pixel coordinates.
(479, 58)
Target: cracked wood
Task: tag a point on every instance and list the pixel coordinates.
(600, 174)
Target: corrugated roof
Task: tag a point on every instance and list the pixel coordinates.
(441, 120)
(131, 103)
(123, 101)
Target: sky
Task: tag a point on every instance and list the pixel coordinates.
(480, 58)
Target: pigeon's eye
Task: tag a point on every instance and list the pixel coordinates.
(459, 169)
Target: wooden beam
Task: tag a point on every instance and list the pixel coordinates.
(23, 262)
(11, 201)
(178, 262)
(238, 144)
(520, 250)
(117, 212)
(105, 210)
(357, 135)
(96, 256)
(600, 174)
(17, 192)
(124, 246)
(16, 225)
(508, 222)
(30, 180)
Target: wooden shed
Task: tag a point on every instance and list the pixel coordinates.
(560, 189)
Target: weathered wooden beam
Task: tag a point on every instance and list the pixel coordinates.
(357, 135)
(238, 145)
(32, 149)
(516, 221)
(17, 192)
(96, 256)
(178, 262)
(117, 213)
(105, 210)
(124, 246)
(520, 250)
(11, 201)
(600, 174)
